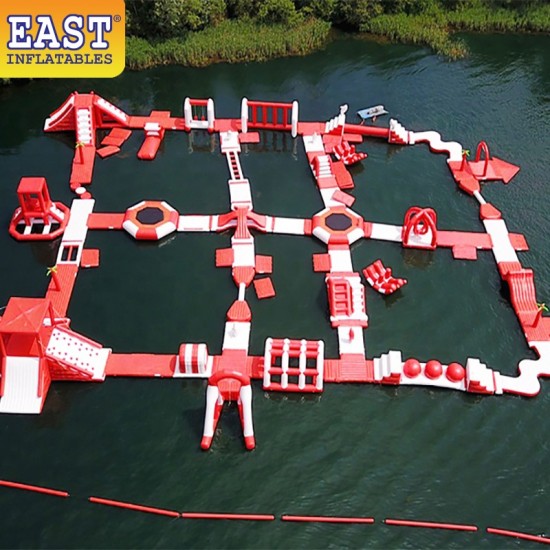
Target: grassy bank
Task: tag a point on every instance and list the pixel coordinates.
(425, 29)
(238, 40)
(435, 28)
(231, 41)
(252, 35)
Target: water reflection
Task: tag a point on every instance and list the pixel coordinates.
(419, 259)
(504, 56)
(45, 252)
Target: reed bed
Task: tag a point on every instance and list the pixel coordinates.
(435, 28)
(231, 41)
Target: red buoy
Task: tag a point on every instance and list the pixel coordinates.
(136, 507)
(327, 519)
(518, 534)
(209, 515)
(34, 488)
(455, 372)
(412, 368)
(430, 524)
(433, 369)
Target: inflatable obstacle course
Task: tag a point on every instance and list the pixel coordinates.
(38, 345)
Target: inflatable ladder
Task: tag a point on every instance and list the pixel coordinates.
(323, 168)
(335, 123)
(346, 297)
(85, 130)
(398, 134)
(388, 367)
(340, 297)
(84, 127)
(234, 165)
(479, 378)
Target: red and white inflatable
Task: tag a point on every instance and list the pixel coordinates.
(420, 228)
(381, 278)
(150, 220)
(293, 365)
(193, 361)
(346, 152)
(38, 218)
(228, 386)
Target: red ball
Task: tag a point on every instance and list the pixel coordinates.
(411, 368)
(455, 372)
(433, 369)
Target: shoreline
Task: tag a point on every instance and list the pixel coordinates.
(245, 40)
(232, 41)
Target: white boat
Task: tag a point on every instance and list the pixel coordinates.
(372, 112)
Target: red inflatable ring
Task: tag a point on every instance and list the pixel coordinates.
(150, 220)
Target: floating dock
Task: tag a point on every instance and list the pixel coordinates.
(38, 345)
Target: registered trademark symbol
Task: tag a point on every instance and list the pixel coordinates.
(117, 19)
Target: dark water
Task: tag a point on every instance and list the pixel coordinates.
(356, 450)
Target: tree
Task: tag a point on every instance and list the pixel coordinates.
(167, 18)
(354, 13)
(277, 11)
(323, 9)
(239, 9)
(174, 16)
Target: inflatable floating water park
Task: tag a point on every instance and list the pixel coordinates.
(38, 345)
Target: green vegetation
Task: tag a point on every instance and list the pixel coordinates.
(418, 29)
(198, 32)
(434, 25)
(173, 18)
(531, 18)
(229, 41)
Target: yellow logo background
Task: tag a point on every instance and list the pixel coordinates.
(84, 62)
